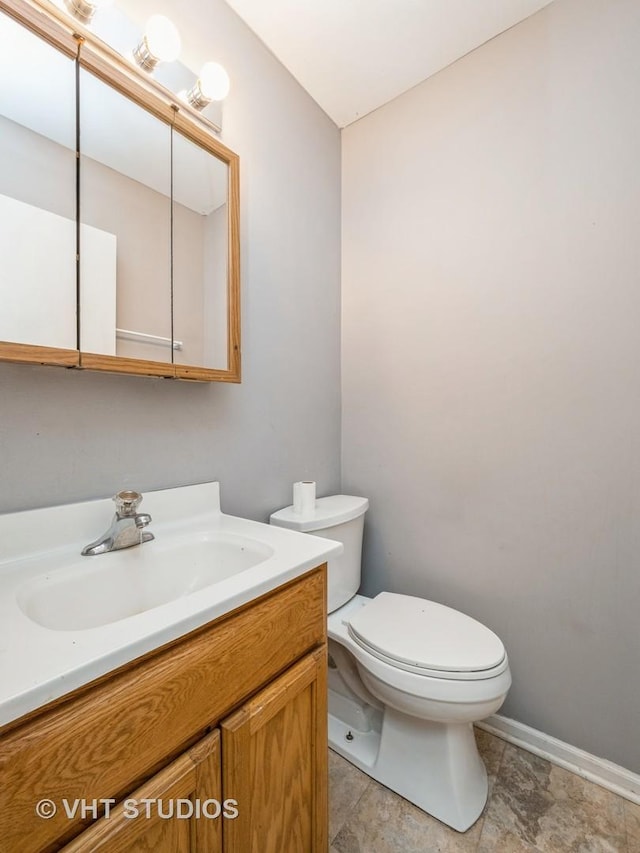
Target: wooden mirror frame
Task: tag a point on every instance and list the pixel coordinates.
(51, 24)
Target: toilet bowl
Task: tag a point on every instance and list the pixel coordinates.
(407, 679)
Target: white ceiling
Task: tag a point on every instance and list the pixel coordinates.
(352, 56)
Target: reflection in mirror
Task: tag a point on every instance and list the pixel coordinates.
(200, 254)
(125, 211)
(37, 191)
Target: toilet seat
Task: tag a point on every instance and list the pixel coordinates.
(435, 686)
(426, 638)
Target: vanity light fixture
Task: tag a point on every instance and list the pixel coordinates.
(160, 43)
(211, 85)
(84, 10)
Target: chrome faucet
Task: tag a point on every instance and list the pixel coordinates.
(127, 527)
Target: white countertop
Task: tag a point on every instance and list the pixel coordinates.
(38, 664)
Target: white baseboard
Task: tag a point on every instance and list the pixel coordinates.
(604, 773)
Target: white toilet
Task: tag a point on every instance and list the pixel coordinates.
(407, 678)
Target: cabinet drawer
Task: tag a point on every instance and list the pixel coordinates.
(108, 739)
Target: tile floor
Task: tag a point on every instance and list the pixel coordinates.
(532, 806)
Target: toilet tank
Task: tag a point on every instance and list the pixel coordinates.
(338, 517)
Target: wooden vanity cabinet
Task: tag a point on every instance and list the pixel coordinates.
(235, 711)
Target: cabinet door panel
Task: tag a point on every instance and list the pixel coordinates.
(193, 778)
(37, 196)
(200, 255)
(125, 234)
(275, 765)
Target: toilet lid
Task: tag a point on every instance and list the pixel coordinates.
(417, 633)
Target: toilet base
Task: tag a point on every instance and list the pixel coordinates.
(436, 766)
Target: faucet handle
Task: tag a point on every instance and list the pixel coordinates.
(127, 503)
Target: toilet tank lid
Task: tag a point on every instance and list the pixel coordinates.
(328, 512)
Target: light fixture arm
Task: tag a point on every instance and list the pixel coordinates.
(143, 55)
(196, 97)
(83, 10)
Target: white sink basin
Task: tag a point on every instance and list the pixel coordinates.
(98, 590)
(66, 620)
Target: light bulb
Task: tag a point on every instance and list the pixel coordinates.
(160, 43)
(214, 81)
(211, 85)
(163, 39)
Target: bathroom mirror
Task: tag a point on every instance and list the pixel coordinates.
(148, 276)
(37, 195)
(125, 231)
(200, 258)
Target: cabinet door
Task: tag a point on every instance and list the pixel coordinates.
(275, 764)
(38, 248)
(140, 823)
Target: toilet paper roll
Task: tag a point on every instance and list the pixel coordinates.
(304, 497)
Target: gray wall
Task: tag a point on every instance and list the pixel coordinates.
(491, 357)
(69, 435)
